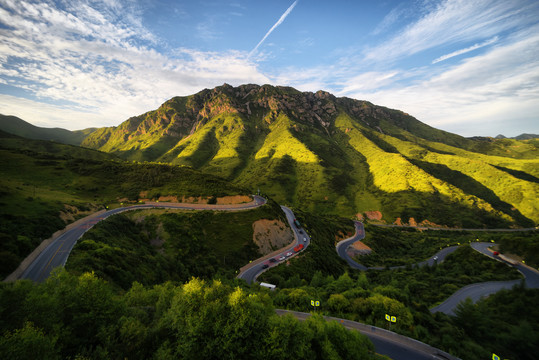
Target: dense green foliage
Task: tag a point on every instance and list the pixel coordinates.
(82, 317)
(41, 180)
(406, 294)
(153, 246)
(506, 323)
(525, 245)
(431, 285)
(401, 246)
(394, 247)
(320, 255)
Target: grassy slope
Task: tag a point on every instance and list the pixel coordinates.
(19, 127)
(394, 177)
(503, 186)
(40, 178)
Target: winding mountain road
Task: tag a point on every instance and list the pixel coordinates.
(343, 245)
(388, 343)
(251, 271)
(474, 291)
(479, 290)
(56, 253)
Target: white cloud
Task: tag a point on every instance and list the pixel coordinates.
(454, 21)
(494, 89)
(99, 59)
(396, 14)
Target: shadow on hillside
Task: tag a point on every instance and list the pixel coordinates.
(518, 174)
(283, 179)
(472, 187)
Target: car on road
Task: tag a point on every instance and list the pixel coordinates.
(281, 258)
(435, 258)
(272, 260)
(304, 239)
(496, 253)
(300, 231)
(288, 254)
(265, 266)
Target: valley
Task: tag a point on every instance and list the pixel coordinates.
(178, 270)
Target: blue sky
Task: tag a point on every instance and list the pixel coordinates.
(469, 67)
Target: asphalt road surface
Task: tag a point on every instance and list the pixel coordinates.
(480, 290)
(396, 346)
(473, 291)
(251, 272)
(360, 234)
(58, 251)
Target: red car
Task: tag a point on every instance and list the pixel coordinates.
(496, 253)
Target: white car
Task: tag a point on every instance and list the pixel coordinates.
(282, 258)
(288, 254)
(304, 239)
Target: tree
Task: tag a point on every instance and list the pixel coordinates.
(338, 303)
(27, 343)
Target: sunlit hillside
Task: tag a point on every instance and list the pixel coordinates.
(337, 155)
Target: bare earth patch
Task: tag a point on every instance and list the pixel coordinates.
(270, 235)
(373, 215)
(358, 248)
(237, 199)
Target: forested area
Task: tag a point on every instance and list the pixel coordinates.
(45, 185)
(408, 293)
(394, 246)
(128, 292)
(525, 245)
(154, 246)
(84, 317)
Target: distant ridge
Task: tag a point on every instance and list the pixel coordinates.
(19, 127)
(519, 137)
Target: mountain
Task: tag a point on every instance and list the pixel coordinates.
(17, 126)
(336, 155)
(520, 137)
(526, 137)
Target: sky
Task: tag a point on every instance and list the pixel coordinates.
(468, 67)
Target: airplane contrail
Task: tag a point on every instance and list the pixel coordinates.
(279, 22)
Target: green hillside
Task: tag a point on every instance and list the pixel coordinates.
(154, 246)
(45, 185)
(17, 126)
(337, 156)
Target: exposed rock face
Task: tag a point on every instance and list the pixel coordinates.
(270, 235)
(180, 117)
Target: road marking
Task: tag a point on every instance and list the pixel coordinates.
(46, 266)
